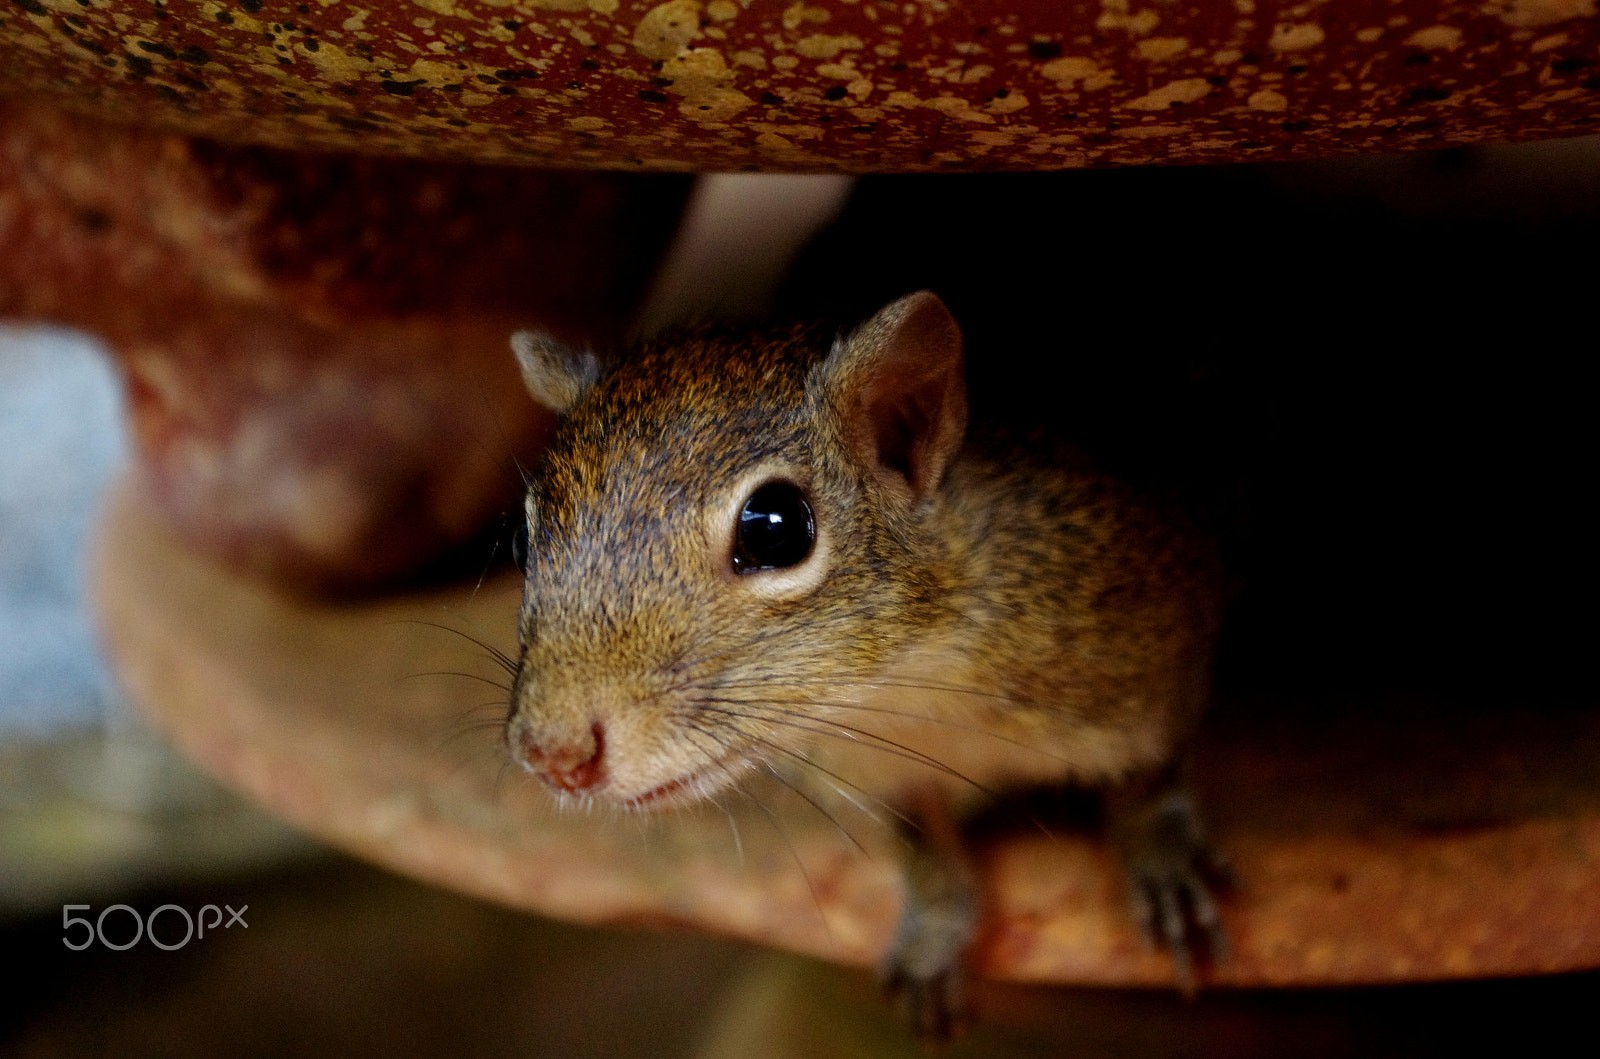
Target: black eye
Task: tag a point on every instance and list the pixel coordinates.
(519, 545)
(776, 529)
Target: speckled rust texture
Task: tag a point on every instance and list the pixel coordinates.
(315, 346)
(860, 85)
(329, 238)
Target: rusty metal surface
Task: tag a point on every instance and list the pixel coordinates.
(857, 85)
(1378, 839)
(314, 346)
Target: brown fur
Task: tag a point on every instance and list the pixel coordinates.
(1053, 624)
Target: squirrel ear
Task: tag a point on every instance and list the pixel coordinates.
(900, 382)
(555, 374)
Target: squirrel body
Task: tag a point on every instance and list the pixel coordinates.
(919, 607)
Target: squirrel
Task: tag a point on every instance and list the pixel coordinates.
(787, 549)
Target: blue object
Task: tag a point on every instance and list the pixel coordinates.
(60, 443)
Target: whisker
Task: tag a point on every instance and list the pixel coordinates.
(768, 707)
(471, 760)
(456, 673)
(711, 758)
(506, 662)
(725, 744)
(838, 787)
(742, 645)
(488, 562)
(795, 856)
(500, 779)
(472, 720)
(461, 731)
(493, 720)
(691, 729)
(882, 743)
(776, 826)
(733, 825)
(955, 689)
(813, 803)
(836, 780)
(472, 432)
(947, 722)
(507, 447)
(910, 753)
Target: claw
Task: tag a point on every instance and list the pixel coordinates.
(1218, 867)
(1169, 862)
(934, 1005)
(933, 998)
(923, 971)
(1203, 908)
(1142, 903)
(1175, 936)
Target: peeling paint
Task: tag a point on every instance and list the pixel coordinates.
(442, 7)
(1070, 68)
(667, 29)
(955, 107)
(994, 139)
(1296, 37)
(1158, 49)
(1009, 103)
(1150, 132)
(822, 46)
(1434, 38)
(335, 64)
(1119, 14)
(1269, 100)
(1532, 14)
(1187, 90)
(798, 14)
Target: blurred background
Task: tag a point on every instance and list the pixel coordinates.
(1374, 371)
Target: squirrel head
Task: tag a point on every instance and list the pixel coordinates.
(726, 530)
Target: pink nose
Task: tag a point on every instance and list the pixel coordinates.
(576, 765)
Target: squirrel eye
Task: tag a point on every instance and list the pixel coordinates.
(776, 529)
(519, 546)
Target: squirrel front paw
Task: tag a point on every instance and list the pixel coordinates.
(1171, 870)
(924, 968)
(928, 986)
